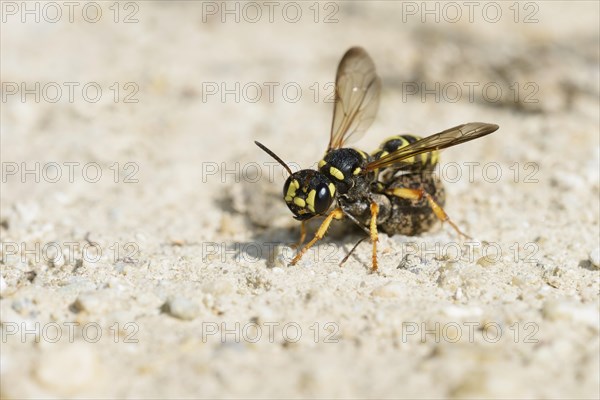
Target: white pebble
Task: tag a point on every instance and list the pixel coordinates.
(277, 258)
(78, 285)
(11, 317)
(391, 289)
(66, 369)
(458, 294)
(94, 302)
(462, 312)
(5, 364)
(595, 257)
(220, 287)
(87, 302)
(586, 315)
(182, 308)
(3, 286)
(486, 261)
(14, 261)
(265, 313)
(208, 300)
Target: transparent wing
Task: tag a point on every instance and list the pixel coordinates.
(357, 89)
(450, 137)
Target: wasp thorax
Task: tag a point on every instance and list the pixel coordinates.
(342, 166)
(308, 193)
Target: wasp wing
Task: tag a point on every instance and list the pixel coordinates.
(357, 89)
(450, 137)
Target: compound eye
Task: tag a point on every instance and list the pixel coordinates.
(322, 199)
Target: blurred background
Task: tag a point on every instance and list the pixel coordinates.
(140, 222)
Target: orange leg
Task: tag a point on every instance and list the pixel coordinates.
(373, 231)
(302, 236)
(418, 194)
(335, 214)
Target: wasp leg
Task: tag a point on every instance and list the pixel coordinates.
(302, 236)
(418, 194)
(335, 214)
(373, 229)
(351, 251)
(356, 221)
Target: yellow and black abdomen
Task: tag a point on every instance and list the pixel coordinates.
(424, 161)
(408, 216)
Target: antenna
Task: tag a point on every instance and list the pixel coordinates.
(269, 152)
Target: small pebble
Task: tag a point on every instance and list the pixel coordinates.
(220, 287)
(486, 262)
(227, 226)
(264, 314)
(595, 257)
(78, 285)
(15, 261)
(92, 302)
(277, 258)
(86, 303)
(208, 300)
(462, 312)
(557, 310)
(182, 308)
(458, 294)
(66, 369)
(392, 289)
(3, 286)
(177, 242)
(5, 364)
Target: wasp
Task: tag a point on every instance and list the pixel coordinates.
(392, 189)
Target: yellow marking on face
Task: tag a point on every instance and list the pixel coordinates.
(362, 154)
(321, 163)
(356, 171)
(310, 200)
(299, 202)
(291, 192)
(332, 189)
(336, 173)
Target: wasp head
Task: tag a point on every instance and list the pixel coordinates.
(308, 193)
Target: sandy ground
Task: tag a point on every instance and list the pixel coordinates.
(144, 237)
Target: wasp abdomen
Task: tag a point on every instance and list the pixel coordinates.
(420, 161)
(412, 217)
